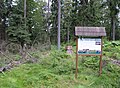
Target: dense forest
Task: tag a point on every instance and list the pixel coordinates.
(27, 22)
(33, 39)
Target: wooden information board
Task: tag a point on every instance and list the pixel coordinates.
(89, 46)
(89, 43)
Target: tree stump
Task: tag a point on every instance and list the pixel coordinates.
(69, 49)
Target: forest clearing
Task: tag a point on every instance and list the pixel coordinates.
(56, 69)
(59, 43)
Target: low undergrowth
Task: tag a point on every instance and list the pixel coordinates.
(56, 69)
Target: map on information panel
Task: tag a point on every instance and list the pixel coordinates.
(89, 46)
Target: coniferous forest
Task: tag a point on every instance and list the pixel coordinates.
(35, 34)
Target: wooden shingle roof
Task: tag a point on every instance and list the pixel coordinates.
(90, 31)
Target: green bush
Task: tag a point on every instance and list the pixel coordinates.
(59, 62)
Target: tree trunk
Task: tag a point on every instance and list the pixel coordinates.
(68, 35)
(2, 33)
(48, 27)
(113, 28)
(2, 22)
(59, 18)
(25, 12)
(48, 15)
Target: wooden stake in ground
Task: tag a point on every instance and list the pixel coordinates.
(76, 57)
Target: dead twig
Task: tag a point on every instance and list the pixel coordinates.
(4, 54)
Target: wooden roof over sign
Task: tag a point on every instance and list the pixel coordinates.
(90, 31)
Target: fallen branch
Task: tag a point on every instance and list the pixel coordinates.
(4, 54)
(117, 62)
(10, 66)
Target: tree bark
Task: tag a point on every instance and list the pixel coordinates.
(48, 15)
(113, 28)
(48, 27)
(59, 18)
(68, 35)
(25, 12)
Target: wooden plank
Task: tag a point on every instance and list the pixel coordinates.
(100, 63)
(76, 58)
(89, 54)
(90, 31)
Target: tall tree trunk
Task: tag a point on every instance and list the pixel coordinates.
(48, 15)
(22, 42)
(112, 4)
(59, 18)
(113, 28)
(2, 33)
(48, 27)
(2, 22)
(25, 12)
(68, 35)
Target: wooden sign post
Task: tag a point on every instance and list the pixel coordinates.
(89, 43)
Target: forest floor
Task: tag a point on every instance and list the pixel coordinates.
(56, 69)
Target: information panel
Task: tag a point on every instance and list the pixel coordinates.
(89, 46)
